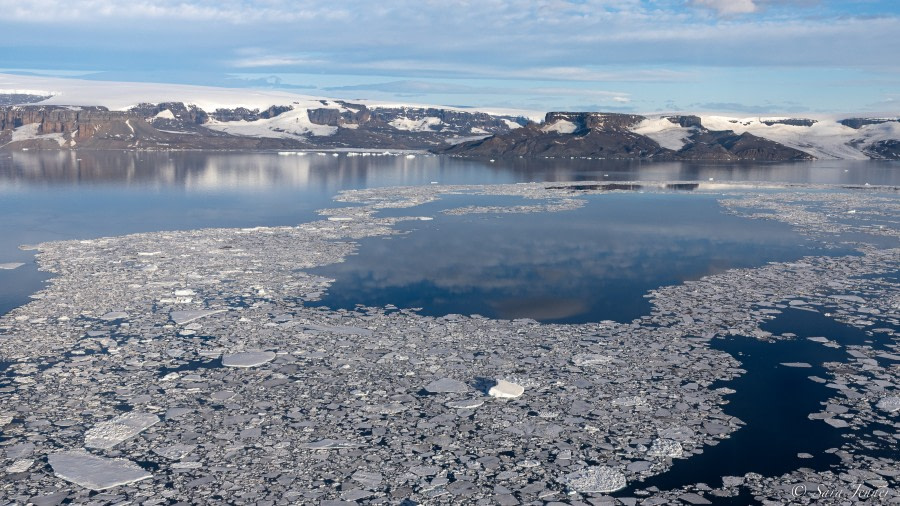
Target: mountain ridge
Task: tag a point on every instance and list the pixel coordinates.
(340, 124)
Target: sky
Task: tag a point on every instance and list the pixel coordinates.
(736, 56)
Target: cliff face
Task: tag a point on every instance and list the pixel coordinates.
(77, 123)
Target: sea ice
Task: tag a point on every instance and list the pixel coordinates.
(182, 317)
(247, 358)
(506, 390)
(114, 315)
(95, 473)
(665, 448)
(446, 385)
(11, 265)
(465, 404)
(598, 479)
(107, 434)
(329, 444)
(889, 404)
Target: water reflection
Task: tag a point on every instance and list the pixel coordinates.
(591, 264)
(204, 171)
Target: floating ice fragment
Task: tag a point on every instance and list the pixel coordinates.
(339, 329)
(186, 465)
(107, 434)
(95, 473)
(114, 315)
(11, 265)
(665, 448)
(20, 466)
(598, 479)
(796, 364)
(446, 385)
(367, 479)
(506, 390)
(465, 404)
(837, 423)
(329, 444)
(182, 317)
(175, 452)
(889, 404)
(587, 359)
(247, 358)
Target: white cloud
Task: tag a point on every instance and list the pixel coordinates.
(728, 7)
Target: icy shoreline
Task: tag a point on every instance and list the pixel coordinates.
(382, 405)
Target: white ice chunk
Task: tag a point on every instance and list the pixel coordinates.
(889, 404)
(587, 359)
(107, 434)
(20, 466)
(598, 479)
(182, 317)
(796, 364)
(247, 358)
(665, 448)
(114, 315)
(506, 390)
(465, 404)
(95, 473)
(10, 266)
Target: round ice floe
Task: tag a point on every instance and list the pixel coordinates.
(247, 358)
(506, 390)
(665, 448)
(598, 479)
(889, 404)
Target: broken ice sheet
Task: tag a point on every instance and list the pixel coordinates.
(107, 434)
(598, 479)
(247, 358)
(329, 444)
(183, 317)
(95, 473)
(8, 266)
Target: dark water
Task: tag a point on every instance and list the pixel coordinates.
(586, 265)
(774, 401)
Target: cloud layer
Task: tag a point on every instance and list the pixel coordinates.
(601, 49)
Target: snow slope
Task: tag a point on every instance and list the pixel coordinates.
(290, 124)
(667, 134)
(826, 139)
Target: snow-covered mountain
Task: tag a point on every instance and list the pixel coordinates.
(55, 113)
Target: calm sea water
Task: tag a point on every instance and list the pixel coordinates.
(79, 195)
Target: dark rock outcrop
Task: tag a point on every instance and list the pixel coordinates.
(887, 150)
(791, 122)
(857, 123)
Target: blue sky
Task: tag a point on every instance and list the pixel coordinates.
(740, 56)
